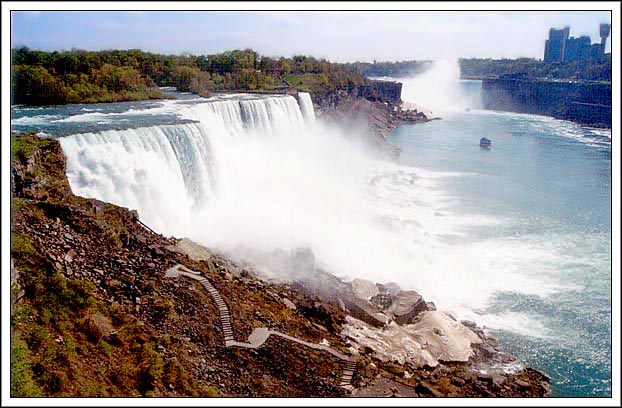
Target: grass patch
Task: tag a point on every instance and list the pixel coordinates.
(22, 145)
(22, 383)
(21, 246)
(307, 82)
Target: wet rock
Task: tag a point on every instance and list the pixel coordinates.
(406, 306)
(341, 305)
(469, 324)
(191, 249)
(365, 311)
(392, 288)
(487, 350)
(444, 338)
(382, 300)
(363, 289)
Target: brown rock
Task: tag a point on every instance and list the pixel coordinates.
(70, 255)
(365, 311)
(363, 289)
(425, 389)
(406, 306)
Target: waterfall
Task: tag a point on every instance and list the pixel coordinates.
(157, 170)
(170, 173)
(306, 105)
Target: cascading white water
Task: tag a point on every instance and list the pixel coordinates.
(170, 172)
(157, 170)
(306, 105)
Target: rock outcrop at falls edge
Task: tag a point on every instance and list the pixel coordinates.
(372, 110)
(92, 314)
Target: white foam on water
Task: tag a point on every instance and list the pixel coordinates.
(520, 323)
(34, 120)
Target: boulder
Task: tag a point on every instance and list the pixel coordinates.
(191, 249)
(392, 343)
(445, 338)
(289, 304)
(366, 312)
(406, 307)
(363, 289)
(392, 288)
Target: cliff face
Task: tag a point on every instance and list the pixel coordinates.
(371, 111)
(583, 102)
(383, 91)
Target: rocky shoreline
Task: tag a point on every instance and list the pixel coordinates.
(94, 315)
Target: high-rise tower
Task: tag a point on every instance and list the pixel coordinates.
(555, 46)
(605, 29)
(562, 48)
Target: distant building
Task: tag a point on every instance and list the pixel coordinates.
(562, 48)
(555, 46)
(577, 49)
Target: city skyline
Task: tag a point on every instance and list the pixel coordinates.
(337, 36)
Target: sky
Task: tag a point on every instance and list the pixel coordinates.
(338, 36)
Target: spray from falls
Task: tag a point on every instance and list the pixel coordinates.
(261, 175)
(439, 89)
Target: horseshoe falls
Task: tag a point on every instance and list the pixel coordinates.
(516, 238)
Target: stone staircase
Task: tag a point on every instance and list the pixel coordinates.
(260, 335)
(347, 374)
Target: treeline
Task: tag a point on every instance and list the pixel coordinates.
(41, 78)
(532, 68)
(390, 68)
(478, 67)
